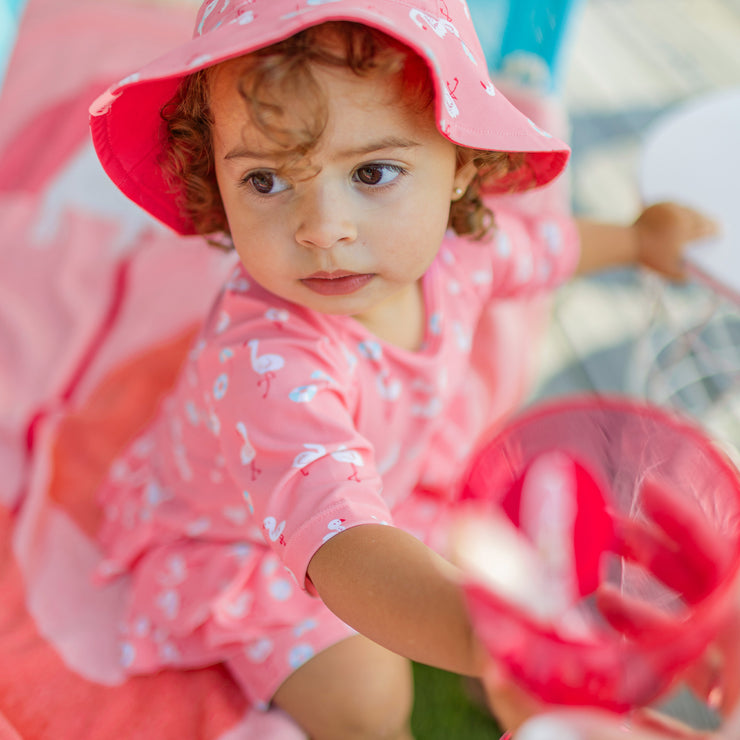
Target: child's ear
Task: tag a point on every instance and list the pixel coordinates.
(463, 177)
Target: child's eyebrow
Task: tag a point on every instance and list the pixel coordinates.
(241, 152)
(391, 142)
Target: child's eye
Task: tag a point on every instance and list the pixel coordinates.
(265, 182)
(378, 174)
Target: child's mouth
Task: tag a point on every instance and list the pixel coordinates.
(337, 283)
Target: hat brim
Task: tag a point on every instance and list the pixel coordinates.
(129, 135)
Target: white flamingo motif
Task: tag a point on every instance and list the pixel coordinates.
(175, 572)
(488, 87)
(181, 461)
(278, 316)
(223, 322)
(191, 411)
(450, 103)
(168, 602)
(371, 350)
(388, 388)
(208, 10)
(351, 359)
(214, 423)
(264, 365)
(197, 350)
(310, 454)
(198, 526)
(306, 393)
(220, 386)
(236, 608)
(503, 244)
(435, 323)
(246, 17)
(248, 499)
(462, 337)
(237, 515)
(429, 410)
(540, 131)
(247, 453)
(237, 283)
(552, 236)
(154, 494)
(274, 530)
(259, 651)
(353, 457)
(321, 375)
(303, 393)
(438, 25)
(335, 526)
(482, 277)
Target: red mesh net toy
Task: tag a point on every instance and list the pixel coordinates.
(601, 548)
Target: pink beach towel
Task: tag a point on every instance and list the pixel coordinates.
(88, 342)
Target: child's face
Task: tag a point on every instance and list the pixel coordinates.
(353, 234)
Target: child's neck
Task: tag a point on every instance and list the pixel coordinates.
(400, 320)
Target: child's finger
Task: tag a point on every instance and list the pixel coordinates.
(511, 704)
(695, 223)
(716, 678)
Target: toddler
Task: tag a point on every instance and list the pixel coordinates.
(285, 511)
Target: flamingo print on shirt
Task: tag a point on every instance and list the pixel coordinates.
(335, 526)
(247, 453)
(264, 365)
(310, 454)
(354, 458)
(274, 530)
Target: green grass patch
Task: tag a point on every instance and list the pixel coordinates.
(445, 710)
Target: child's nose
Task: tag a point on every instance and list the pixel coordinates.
(325, 218)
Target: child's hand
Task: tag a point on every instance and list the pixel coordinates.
(663, 232)
(509, 703)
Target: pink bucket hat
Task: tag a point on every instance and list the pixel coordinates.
(128, 132)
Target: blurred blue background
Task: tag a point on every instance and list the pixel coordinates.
(10, 13)
(525, 39)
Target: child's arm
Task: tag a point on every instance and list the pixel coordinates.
(657, 240)
(398, 592)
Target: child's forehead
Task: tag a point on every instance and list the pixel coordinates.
(354, 114)
(230, 79)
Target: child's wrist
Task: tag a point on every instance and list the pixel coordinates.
(635, 245)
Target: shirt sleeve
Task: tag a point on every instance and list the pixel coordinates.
(532, 253)
(282, 404)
